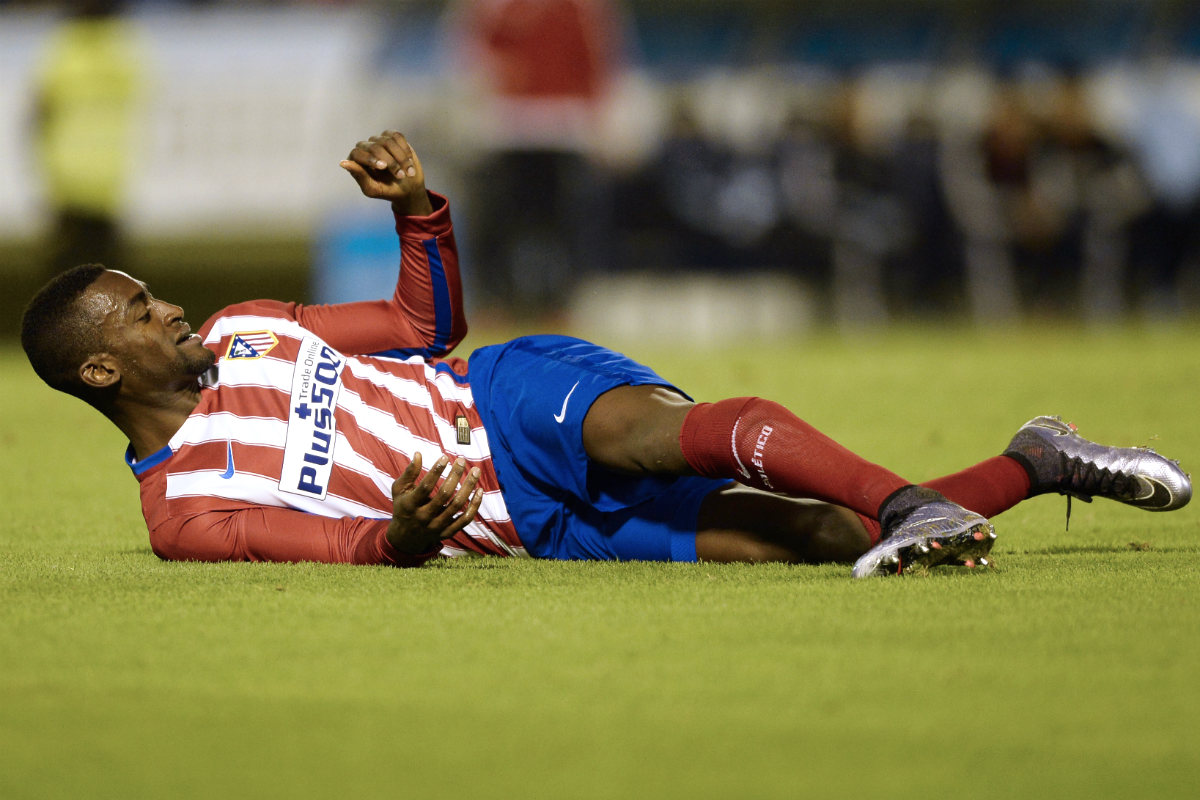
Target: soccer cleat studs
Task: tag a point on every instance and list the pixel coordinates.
(940, 532)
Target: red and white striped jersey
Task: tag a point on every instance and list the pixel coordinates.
(311, 412)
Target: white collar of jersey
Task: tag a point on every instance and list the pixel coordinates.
(211, 377)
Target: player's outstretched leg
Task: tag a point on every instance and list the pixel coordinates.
(923, 528)
(1060, 460)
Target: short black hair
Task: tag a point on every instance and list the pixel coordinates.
(57, 334)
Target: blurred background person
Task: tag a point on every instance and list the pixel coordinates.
(803, 155)
(540, 211)
(90, 79)
(1088, 178)
(989, 182)
(684, 178)
(869, 224)
(1045, 202)
(925, 272)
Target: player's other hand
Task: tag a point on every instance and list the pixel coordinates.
(424, 513)
(386, 167)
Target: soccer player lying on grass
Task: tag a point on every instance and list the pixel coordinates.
(286, 432)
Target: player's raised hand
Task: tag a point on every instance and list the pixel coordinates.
(386, 167)
(424, 513)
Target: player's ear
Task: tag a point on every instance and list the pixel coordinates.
(100, 371)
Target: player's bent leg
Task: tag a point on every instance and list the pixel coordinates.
(738, 523)
(649, 430)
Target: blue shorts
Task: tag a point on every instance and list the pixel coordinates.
(533, 394)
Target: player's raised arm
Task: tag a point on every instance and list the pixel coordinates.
(386, 167)
(425, 315)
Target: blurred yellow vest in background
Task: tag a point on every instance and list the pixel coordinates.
(89, 85)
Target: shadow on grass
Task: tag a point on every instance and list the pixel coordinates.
(478, 562)
(1097, 549)
(471, 562)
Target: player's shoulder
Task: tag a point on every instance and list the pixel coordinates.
(262, 313)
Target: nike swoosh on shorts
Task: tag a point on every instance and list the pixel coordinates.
(561, 415)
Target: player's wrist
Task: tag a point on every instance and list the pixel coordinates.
(405, 557)
(417, 204)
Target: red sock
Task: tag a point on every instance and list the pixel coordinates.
(762, 444)
(986, 488)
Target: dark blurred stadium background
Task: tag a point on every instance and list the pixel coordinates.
(704, 168)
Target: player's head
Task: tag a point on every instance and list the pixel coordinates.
(92, 331)
(57, 332)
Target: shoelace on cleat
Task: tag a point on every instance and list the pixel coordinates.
(1079, 473)
(1085, 480)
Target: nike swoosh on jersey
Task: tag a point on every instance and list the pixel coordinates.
(561, 415)
(228, 473)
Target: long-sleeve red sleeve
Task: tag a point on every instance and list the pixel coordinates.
(424, 316)
(278, 534)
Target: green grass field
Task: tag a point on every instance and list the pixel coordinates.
(1068, 670)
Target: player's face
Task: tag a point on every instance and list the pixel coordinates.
(148, 335)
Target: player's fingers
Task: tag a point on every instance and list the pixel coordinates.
(425, 488)
(373, 155)
(460, 499)
(403, 485)
(467, 488)
(360, 175)
(389, 152)
(403, 161)
(365, 153)
(408, 478)
(465, 517)
(442, 496)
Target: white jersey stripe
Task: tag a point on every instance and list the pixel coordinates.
(477, 531)
(384, 427)
(226, 326)
(268, 373)
(408, 389)
(225, 426)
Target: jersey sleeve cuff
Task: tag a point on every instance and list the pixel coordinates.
(397, 559)
(430, 225)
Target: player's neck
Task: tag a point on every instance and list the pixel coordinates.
(149, 423)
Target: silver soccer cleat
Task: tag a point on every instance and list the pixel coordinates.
(936, 533)
(1059, 459)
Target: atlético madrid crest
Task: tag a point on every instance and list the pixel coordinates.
(254, 344)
